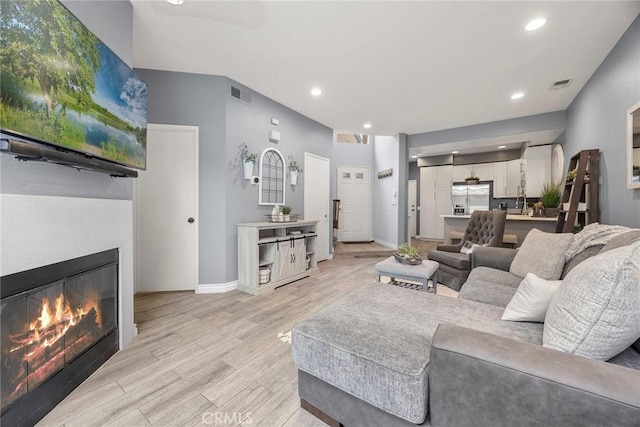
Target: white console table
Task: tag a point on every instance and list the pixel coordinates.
(283, 247)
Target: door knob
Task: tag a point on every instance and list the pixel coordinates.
(190, 220)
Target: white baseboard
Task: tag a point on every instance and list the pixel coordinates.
(216, 288)
(387, 244)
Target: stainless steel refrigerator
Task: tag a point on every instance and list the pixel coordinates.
(470, 198)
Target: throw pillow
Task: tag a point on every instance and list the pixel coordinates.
(468, 247)
(531, 300)
(541, 254)
(596, 312)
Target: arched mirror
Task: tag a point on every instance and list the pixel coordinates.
(272, 174)
(633, 147)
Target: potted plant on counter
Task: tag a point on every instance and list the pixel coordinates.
(248, 160)
(551, 196)
(294, 168)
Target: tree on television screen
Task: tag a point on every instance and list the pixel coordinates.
(58, 53)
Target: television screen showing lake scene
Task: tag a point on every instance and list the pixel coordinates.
(61, 85)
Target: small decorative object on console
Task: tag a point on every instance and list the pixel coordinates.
(407, 254)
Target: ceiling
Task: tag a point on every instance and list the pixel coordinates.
(406, 67)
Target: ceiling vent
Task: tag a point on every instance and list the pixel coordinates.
(241, 95)
(560, 84)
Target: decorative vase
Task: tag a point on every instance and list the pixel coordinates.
(248, 169)
(551, 212)
(287, 218)
(294, 177)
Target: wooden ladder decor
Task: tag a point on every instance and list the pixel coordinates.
(582, 189)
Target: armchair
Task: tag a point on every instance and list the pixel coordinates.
(484, 228)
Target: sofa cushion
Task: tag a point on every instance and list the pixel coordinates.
(531, 301)
(624, 239)
(542, 254)
(596, 312)
(579, 257)
(453, 259)
(490, 286)
(374, 343)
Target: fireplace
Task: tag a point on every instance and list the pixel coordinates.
(59, 323)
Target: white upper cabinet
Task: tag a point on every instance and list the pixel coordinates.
(514, 177)
(460, 172)
(538, 171)
(484, 171)
(499, 180)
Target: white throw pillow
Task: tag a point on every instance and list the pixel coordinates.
(468, 247)
(541, 254)
(596, 312)
(531, 300)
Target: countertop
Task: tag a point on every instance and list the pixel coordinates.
(510, 218)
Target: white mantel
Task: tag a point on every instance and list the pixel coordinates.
(41, 230)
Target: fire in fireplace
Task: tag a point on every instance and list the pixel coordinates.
(47, 328)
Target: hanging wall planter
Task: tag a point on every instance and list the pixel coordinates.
(294, 177)
(248, 169)
(294, 168)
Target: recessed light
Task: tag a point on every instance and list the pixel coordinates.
(501, 147)
(414, 157)
(175, 2)
(535, 24)
(316, 91)
(517, 95)
(454, 152)
(367, 125)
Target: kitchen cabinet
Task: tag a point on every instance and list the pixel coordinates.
(514, 178)
(538, 168)
(460, 172)
(506, 179)
(484, 171)
(435, 199)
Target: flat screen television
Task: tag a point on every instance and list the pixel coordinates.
(60, 85)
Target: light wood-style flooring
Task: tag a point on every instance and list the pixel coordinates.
(198, 357)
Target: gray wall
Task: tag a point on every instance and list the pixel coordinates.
(199, 100)
(554, 120)
(597, 119)
(252, 124)
(353, 154)
(112, 22)
(225, 197)
(385, 214)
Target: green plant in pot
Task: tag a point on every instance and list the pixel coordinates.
(551, 196)
(407, 254)
(294, 169)
(247, 159)
(286, 211)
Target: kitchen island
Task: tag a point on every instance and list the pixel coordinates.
(520, 225)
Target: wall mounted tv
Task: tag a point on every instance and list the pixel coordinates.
(61, 86)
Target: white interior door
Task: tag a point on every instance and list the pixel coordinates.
(411, 208)
(317, 200)
(353, 190)
(166, 207)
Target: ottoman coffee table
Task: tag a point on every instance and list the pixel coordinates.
(420, 273)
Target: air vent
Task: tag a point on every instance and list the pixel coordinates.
(240, 95)
(560, 84)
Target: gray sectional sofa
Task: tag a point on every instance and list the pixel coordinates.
(388, 356)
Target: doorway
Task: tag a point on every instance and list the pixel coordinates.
(166, 207)
(412, 194)
(317, 200)
(353, 190)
